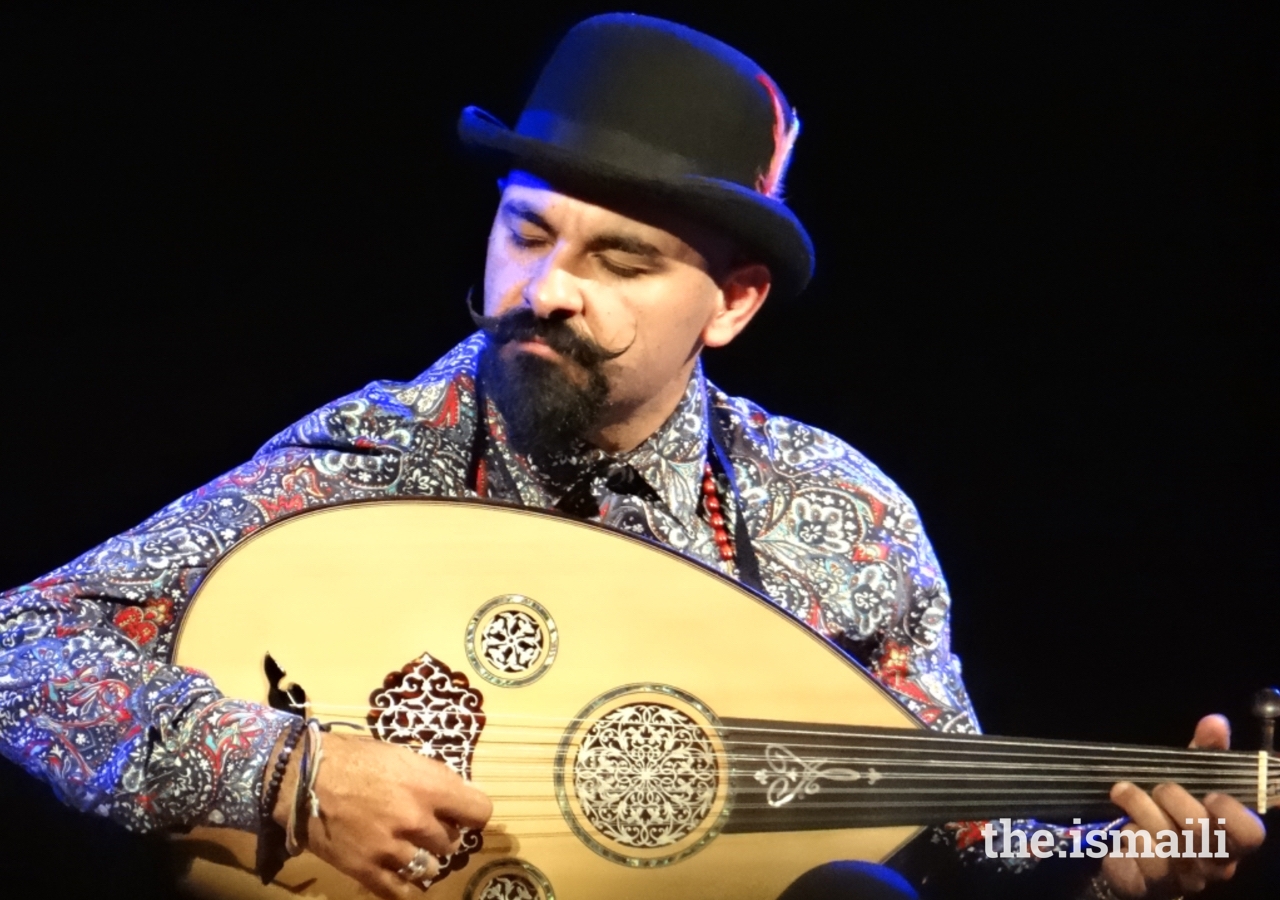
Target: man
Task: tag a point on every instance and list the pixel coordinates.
(639, 222)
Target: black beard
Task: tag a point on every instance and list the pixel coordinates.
(546, 411)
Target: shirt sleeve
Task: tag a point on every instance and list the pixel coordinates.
(912, 658)
(89, 702)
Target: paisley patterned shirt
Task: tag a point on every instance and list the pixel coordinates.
(90, 703)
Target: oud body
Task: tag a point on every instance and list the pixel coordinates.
(343, 597)
(646, 727)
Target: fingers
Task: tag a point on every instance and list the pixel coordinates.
(1188, 814)
(1212, 733)
(420, 865)
(403, 872)
(450, 804)
(380, 804)
(1145, 815)
(1182, 809)
(1169, 807)
(385, 878)
(466, 805)
(1135, 876)
(1123, 873)
(432, 834)
(1244, 830)
(390, 886)
(419, 869)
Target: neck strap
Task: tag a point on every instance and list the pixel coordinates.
(748, 565)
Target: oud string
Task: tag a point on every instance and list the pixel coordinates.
(850, 755)
(531, 766)
(986, 745)
(933, 750)
(1082, 777)
(910, 811)
(1051, 789)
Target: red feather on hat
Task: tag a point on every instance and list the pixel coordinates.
(784, 140)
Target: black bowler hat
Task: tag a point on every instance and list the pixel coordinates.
(634, 106)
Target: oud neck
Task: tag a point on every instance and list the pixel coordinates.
(795, 776)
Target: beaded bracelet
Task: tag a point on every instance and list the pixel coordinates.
(272, 792)
(271, 850)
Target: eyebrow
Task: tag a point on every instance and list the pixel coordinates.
(623, 243)
(526, 212)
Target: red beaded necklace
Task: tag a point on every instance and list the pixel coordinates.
(711, 501)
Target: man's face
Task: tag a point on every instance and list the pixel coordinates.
(633, 288)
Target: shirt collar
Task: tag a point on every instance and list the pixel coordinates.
(672, 459)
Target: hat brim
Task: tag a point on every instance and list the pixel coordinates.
(764, 227)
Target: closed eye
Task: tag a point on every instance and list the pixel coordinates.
(625, 256)
(525, 227)
(524, 240)
(621, 270)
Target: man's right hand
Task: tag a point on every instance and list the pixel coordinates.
(379, 804)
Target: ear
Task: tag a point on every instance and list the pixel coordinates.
(742, 293)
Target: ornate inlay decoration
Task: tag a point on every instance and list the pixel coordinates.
(641, 775)
(509, 879)
(645, 775)
(430, 707)
(511, 641)
(789, 776)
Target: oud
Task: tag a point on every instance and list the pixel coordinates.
(645, 727)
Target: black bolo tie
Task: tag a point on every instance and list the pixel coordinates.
(619, 477)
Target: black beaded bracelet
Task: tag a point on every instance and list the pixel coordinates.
(272, 792)
(271, 853)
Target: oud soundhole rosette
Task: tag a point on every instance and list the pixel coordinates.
(511, 641)
(509, 879)
(641, 775)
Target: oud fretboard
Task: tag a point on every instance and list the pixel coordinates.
(789, 776)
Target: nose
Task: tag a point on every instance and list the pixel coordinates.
(552, 291)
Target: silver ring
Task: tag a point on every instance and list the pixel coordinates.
(423, 867)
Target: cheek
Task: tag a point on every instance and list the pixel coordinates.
(502, 278)
(612, 323)
(681, 326)
(665, 335)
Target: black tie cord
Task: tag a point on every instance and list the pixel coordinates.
(619, 477)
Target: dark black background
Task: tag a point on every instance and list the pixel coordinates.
(1043, 304)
